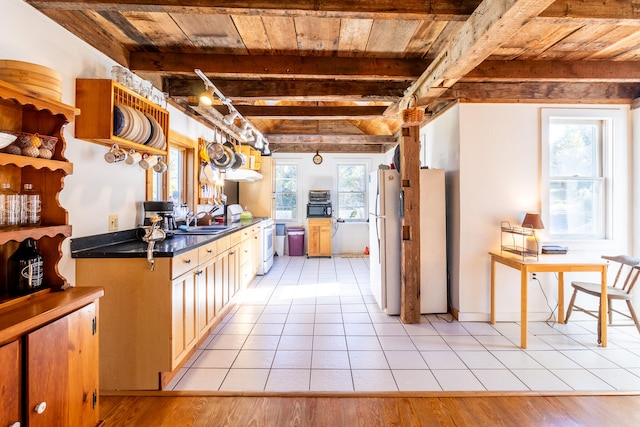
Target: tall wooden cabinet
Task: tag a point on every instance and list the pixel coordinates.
(319, 237)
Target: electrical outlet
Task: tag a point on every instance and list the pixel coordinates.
(533, 276)
(113, 222)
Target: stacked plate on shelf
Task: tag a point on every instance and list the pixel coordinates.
(136, 126)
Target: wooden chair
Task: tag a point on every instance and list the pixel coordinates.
(622, 288)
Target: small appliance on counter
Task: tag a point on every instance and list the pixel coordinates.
(163, 209)
(319, 205)
(233, 213)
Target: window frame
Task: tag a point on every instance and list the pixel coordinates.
(364, 192)
(614, 173)
(282, 163)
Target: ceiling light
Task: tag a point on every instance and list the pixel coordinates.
(259, 144)
(231, 117)
(206, 97)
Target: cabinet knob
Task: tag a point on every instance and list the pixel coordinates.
(209, 251)
(40, 408)
(187, 261)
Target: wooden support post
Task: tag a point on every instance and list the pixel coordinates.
(410, 249)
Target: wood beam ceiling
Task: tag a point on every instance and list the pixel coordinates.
(294, 90)
(447, 10)
(278, 66)
(364, 112)
(488, 27)
(557, 71)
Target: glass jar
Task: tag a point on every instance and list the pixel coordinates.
(10, 208)
(31, 206)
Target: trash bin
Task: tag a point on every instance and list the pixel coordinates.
(280, 233)
(296, 241)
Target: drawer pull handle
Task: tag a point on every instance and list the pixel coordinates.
(209, 251)
(187, 261)
(40, 408)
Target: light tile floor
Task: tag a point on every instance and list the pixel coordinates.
(313, 325)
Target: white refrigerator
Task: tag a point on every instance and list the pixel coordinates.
(385, 240)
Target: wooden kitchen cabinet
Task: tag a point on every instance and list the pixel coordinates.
(24, 111)
(319, 237)
(249, 255)
(11, 390)
(50, 354)
(258, 196)
(184, 319)
(153, 320)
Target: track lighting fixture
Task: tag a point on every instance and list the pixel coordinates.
(206, 97)
(231, 117)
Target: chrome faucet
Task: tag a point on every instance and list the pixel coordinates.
(194, 217)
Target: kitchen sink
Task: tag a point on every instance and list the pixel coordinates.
(204, 229)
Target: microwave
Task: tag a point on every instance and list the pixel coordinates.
(319, 210)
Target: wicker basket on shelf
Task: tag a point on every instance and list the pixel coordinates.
(412, 116)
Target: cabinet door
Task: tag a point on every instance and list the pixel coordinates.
(324, 243)
(47, 374)
(84, 366)
(205, 282)
(233, 272)
(314, 239)
(61, 371)
(184, 324)
(219, 277)
(10, 391)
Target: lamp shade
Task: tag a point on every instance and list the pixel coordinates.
(533, 220)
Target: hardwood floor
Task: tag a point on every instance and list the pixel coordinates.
(442, 409)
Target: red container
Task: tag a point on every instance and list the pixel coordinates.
(296, 241)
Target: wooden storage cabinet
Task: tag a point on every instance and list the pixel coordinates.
(319, 237)
(21, 110)
(49, 353)
(97, 97)
(153, 320)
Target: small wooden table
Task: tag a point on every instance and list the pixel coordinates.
(548, 264)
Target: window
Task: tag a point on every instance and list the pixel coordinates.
(286, 191)
(352, 192)
(577, 174)
(176, 172)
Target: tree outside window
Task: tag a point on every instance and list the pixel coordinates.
(286, 191)
(352, 192)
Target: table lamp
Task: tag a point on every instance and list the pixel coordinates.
(534, 222)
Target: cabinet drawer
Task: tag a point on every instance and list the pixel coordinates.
(224, 243)
(182, 263)
(207, 252)
(235, 238)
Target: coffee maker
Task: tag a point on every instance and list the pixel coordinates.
(163, 209)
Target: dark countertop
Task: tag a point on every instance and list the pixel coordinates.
(129, 243)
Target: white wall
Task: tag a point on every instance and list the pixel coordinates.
(347, 237)
(498, 179)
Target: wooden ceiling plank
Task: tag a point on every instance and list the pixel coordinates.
(314, 35)
(545, 92)
(282, 66)
(281, 34)
(535, 40)
(160, 29)
(490, 25)
(578, 45)
(618, 42)
(424, 38)
(252, 33)
(389, 39)
(446, 10)
(559, 71)
(593, 9)
(352, 36)
(300, 90)
(211, 32)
